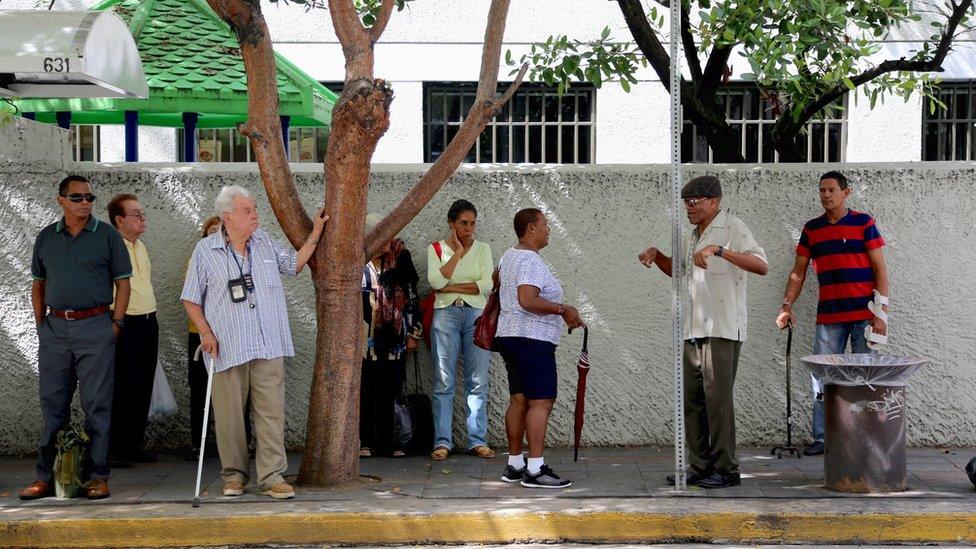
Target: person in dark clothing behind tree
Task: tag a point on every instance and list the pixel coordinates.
(196, 374)
(391, 312)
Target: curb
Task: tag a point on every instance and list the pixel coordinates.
(491, 527)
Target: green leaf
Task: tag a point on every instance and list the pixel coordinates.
(605, 34)
(849, 83)
(625, 85)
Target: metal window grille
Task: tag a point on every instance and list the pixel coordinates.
(536, 126)
(85, 143)
(306, 145)
(947, 134)
(825, 139)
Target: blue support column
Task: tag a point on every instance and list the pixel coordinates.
(64, 119)
(190, 136)
(131, 136)
(29, 115)
(285, 127)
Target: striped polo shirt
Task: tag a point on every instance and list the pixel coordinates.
(840, 258)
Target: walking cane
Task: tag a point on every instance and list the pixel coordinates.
(206, 420)
(788, 449)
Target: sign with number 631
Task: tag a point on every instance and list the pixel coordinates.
(57, 64)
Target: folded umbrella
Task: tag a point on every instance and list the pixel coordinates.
(582, 368)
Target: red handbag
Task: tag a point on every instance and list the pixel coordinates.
(427, 303)
(486, 325)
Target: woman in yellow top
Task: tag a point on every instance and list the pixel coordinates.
(459, 270)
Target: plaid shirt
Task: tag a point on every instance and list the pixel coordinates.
(254, 328)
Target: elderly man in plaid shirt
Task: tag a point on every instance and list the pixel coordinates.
(233, 294)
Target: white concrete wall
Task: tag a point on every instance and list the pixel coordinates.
(602, 216)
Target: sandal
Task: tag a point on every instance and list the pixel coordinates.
(365, 453)
(439, 453)
(399, 453)
(482, 451)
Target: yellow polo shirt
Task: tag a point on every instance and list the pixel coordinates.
(142, 300)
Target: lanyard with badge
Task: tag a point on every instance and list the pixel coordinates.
(241, 288)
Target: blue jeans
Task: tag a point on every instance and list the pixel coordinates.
(452, 333)
(832, 339)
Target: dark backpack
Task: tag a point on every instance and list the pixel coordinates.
(971, 470)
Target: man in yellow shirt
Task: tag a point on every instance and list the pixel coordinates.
(137, 347)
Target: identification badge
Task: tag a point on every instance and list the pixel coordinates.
(238, 290)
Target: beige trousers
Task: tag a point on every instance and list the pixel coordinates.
(263, 381)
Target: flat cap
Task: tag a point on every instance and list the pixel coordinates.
(706, 186)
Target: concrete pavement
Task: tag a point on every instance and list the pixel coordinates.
(618, 495)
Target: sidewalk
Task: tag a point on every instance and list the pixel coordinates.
(618, 495)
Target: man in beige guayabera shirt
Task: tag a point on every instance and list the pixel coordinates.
(720, 253)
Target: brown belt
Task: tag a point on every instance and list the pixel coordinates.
(78, 315)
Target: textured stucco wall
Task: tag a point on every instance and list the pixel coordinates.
(601, 218)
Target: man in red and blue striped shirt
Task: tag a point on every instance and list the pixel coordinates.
(845, 246)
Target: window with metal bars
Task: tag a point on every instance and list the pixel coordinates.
(85, 143)
(751, 117)
(228, 145)
(947, 133)
(536, 126)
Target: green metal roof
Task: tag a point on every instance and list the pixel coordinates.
(193, 63)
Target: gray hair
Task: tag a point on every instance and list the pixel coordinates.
(224, 203)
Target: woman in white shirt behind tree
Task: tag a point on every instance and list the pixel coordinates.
(459, 270)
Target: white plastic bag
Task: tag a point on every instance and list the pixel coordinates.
(162, 405)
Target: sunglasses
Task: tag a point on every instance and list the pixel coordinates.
(692, 202)
(78, 197)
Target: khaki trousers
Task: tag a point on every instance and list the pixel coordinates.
(264, 382)
(709, 374)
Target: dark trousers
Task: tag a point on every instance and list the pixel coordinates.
(382, 381)
(710, 365)
(196, 377)
(136, 352)
(76, 353)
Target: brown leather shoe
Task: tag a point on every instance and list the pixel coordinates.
(39, 489)
(97, 488)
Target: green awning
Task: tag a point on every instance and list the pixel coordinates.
(193, 64)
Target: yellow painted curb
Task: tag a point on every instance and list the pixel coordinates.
(501, 527)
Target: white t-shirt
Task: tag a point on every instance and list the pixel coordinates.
(524, 267)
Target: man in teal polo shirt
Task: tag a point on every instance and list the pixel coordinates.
(75, 264)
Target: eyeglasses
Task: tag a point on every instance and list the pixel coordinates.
(692, 202)
(78, 197)
(140, 215)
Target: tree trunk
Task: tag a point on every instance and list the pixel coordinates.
(359, 119)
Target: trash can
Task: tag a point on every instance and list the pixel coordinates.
(865, 401)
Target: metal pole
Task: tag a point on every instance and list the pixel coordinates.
(677, 251)
(131, 136)
(190, 136)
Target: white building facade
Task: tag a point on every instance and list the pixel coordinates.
(431, 51)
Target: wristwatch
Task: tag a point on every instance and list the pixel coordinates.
(719, 252)
(120, 322)
(562, 309)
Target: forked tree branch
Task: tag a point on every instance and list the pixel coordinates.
(485, 107)
(386, 10)
(788, 125)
